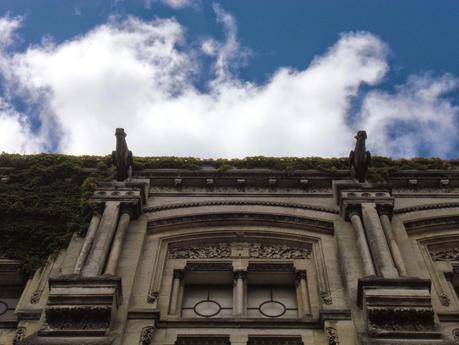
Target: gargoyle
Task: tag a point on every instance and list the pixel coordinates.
(122, 157)
(359, 159)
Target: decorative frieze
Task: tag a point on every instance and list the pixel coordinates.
(78, 317)
(381, 320)
(275, 341)
(214, 251)
(445, 254)
(256, 251)
(278, 251)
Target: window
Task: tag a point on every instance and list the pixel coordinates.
(208, 301)
(271, 291)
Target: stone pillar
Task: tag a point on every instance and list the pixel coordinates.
(175, 294)
(102, 241)
(239, 281)
(354, 216)
(377, 242)
(90, 235)
(301, 281)
(118, 241)
(395, 250)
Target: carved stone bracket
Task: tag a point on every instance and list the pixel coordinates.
(20, 335)
(397, 308)
(146, 335)
(455, 334)
(332, 336)
(83, 304)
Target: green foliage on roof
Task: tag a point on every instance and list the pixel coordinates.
(44, 197)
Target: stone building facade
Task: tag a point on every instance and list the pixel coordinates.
(254, 256)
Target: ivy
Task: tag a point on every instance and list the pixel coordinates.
(44, 198)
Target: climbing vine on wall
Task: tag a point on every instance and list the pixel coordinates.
(44, 198)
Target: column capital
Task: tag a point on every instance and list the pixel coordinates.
(179, 274)
(300, 275)
(385, 209)
(351, 210)
(240, 275)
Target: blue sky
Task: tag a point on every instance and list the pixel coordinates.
(230, 78)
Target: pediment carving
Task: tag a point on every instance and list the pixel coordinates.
(450, 253)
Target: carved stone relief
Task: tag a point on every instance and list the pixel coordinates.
(256, 251)
(146, 336)
(400, 320)
(20, 335)
(222, 250)
(332, 336)
(455, 333)
(278, 251)
(445, 254)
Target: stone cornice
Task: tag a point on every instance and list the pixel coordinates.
(238, 203)
(426, 207)
(432, 224)
(240, 218)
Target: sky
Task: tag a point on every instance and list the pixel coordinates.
(230, 78)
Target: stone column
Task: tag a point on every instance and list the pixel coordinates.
(377, 242)
(118, 241)
(354, 216)
(90, 235)
(239, 281)
(175, 293)
(301, 281)
(395, 250)
(102, 241)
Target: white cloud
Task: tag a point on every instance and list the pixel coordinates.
(139, 75)
(177, 3)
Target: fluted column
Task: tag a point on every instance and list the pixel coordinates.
(90, 235)
(239, 280)
(395, 250)
(117, 245)
(175, 293)
(301, 281)
(104, 235)
(354, 216)
(377, 242)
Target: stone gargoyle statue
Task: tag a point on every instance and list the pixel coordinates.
(360, 158)
(122, 157)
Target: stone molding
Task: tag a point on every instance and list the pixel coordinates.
(208, 266)
(431, 224)
(426, 207)
(241, 218)
(203, 340)
(238, 203)
(270, 267)
(273, 340)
